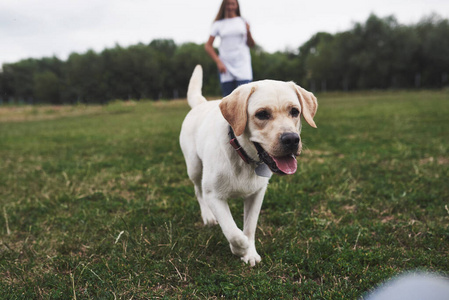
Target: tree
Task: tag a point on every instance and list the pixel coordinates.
(186, 57)
(318, 60)
(47, 87)
(377, 54)
(433, 53)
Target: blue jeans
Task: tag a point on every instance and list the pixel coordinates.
(229, 86)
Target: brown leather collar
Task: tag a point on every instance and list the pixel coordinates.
(238, 148)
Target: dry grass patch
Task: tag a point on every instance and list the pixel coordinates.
(38, 113)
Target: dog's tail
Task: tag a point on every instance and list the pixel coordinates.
(194, 96)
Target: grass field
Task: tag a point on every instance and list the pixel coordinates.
(95, 203)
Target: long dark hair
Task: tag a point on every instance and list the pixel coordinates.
(221, 12)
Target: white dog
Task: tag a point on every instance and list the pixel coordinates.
(232, 146)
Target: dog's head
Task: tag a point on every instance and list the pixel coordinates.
(268, 113)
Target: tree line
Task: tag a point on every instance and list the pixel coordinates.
(377, 54)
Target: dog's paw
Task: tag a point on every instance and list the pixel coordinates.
(239, 245)
(251, 257)
(210, 222)
(209, 219)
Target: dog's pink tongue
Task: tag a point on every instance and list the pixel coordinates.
(286, 164)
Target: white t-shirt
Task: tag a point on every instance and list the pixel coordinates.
(233, 50)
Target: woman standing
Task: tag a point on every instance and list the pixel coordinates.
(234, 61)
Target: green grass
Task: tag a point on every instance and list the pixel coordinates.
(95, 203)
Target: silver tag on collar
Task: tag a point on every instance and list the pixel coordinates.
(262, 170)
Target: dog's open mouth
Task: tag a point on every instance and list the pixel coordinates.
(285, 165)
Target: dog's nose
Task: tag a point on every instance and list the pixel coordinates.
(290, 140)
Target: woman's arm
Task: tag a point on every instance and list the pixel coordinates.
(249, 39)
(211, 51)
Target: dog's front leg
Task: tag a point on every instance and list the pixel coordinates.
(253, 205)
(238, 241)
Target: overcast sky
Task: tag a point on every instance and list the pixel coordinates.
(43, 28)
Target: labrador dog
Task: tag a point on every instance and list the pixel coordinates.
(232, 146)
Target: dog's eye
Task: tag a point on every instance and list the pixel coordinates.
(294, 112)
(263, 115)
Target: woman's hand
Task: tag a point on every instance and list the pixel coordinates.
(221, 67)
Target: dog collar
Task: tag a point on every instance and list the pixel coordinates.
(261, 169)
(238, 148)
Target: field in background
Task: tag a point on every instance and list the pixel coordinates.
(95, 203)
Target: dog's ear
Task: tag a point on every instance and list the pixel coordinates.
(235, 107)
(308, 102)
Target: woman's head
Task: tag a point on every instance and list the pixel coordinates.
(228, 8)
